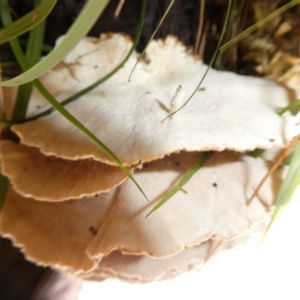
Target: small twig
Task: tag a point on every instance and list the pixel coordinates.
(203, 41)
(200, 27)
(210, 64)
(211, 253)
(151, 38)
(119, 8)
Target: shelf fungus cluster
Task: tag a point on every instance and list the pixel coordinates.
(70, 207)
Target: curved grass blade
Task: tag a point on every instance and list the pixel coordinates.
(7, 64)
(291, 182)
(26, 22)
(152, 36)
(39, 86)
(22, 100)
(95, 84)
(106, 77)
(185, 178)
(259, 24)
(78, 30)
(295, 103)
(211, 62)
(33, 54)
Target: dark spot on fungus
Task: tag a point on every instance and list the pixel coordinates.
(145, 58)
(201, 89)
(162, 106)
(214, 184)
(92, 230)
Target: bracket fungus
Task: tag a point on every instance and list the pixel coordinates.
(108, 235)
(51, 178)
(90, 229)
(234, 112)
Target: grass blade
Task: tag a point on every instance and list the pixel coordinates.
(78, 30)
(22, 101)
(291, 182)
(295, 103)
(39, 86)
(95, 84)
(211, 62)
(33, 54)
(106, 77)
(27, 22)
(152, 36)
(92, 86)
(185, 178)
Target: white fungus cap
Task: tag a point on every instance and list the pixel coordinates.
(232, 112)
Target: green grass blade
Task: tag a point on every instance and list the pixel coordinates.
(16, 48)
(82, 128)
(106, 77)
(35, 42)
(291, 182)
(211, 62)
(259, 24)
(295, 103)
(45, 48)
(257, 152)
(185, 178)
(38, 85)
(95, 84)
(8, 64)
(78, 30)
(152, 36)
(22, 101)
(33, 54)
(27, 22)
